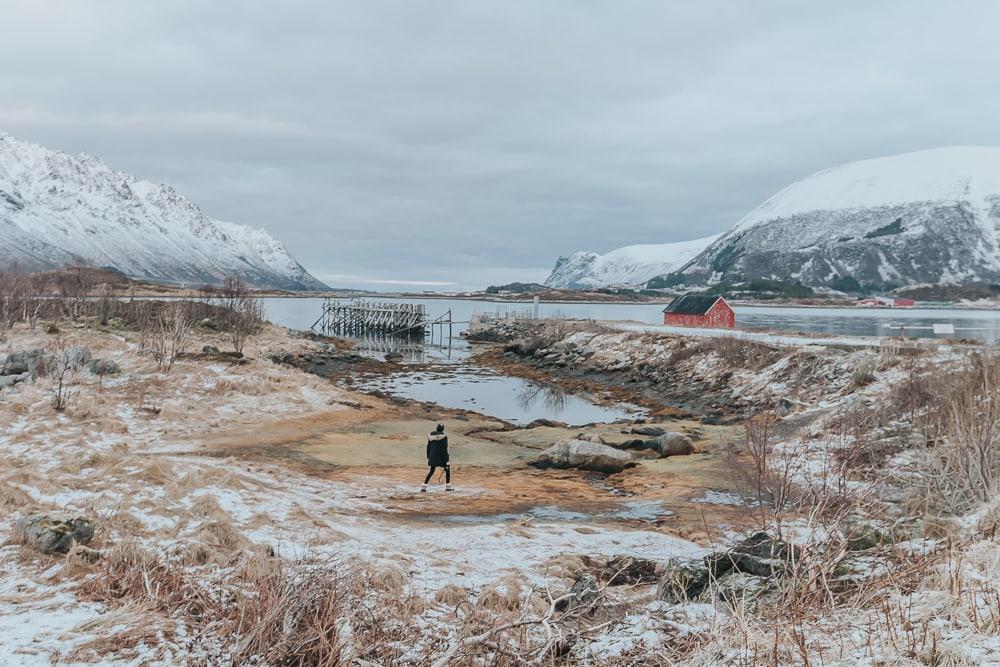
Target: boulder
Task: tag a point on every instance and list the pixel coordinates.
(18, 363)
(628, 570)
(583, 593)
(651, 431)
(104, 367)
(8, 381)
(583, 456)
(673, 444)
(56, 533)
(76, 358)
(683, 580)
(759, 555)
(592, 437)
(738, 589)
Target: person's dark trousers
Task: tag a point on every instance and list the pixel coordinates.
(447, 474)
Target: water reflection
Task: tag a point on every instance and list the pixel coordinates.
(553, 398)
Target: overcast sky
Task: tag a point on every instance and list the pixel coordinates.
(472, 142)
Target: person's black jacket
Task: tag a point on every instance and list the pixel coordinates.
(437, 449)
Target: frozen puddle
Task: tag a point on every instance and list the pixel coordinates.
(511, 399)
(637, 510)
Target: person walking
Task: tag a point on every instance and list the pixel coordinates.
(437, 457)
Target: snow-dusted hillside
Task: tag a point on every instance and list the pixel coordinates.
(631, 265)
(58, 209)
(927, 217)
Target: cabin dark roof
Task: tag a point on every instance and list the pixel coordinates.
(691, 304)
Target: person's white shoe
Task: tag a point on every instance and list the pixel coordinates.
(448, 487)
(423, 488)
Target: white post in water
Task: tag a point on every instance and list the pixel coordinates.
(535, 304)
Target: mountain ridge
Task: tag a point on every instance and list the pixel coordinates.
(930, 216)
(631, 265)
(58, 209)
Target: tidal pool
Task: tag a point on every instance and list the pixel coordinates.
(511, 399)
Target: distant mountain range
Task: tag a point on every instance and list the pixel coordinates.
(926, 217)
(58, 209)
(629, 266)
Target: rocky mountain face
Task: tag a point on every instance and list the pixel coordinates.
(927, 217)
(632, 265)
(57, 209)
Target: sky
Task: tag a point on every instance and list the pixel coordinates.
(444, 145)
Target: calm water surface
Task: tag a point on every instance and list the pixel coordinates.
(456, 384)
(981, 325)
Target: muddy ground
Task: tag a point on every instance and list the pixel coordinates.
(382, 440)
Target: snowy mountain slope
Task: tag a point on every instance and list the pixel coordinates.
(631, 265)
(57, 209)
(927, 217)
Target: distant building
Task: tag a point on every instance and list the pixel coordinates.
(690, 310)
(903, 302)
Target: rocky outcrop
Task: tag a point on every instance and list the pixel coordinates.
(742, 574)
(630, 570)
(55, 533)
(583, 455)
(584, 593)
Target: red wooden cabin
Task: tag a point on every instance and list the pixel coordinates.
(691, 310)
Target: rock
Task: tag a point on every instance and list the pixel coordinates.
(583, 594)
(209, 349)
(583, 456)
(8, 381)
(738, 589)
(628, 570)
(18, 363)
(592, 437)
(393, 356)
(545, 422)
(673, 444)
(651, 431)
(76, 357)
(683, 580)
(51, 329)
(57, 532)
(759, 555)
(104, 367)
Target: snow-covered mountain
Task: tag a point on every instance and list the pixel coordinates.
(58, 209)
(631, 265)
(927, 217)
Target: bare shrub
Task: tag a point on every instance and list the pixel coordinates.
(963, 468)
(18, 301)
(170, 331)
(243, 312)
(737, 353)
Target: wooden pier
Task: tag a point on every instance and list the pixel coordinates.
(360, 317)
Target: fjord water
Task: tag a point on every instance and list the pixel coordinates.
(982, 325)
(453, 382)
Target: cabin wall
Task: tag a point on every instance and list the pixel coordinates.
(720, 316)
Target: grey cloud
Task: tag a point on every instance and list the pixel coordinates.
(473, 142)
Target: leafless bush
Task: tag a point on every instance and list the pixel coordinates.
(737, 353)
(243, 312)
(963, 468)
(18, 301)
(170, 331)
(75, 285)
